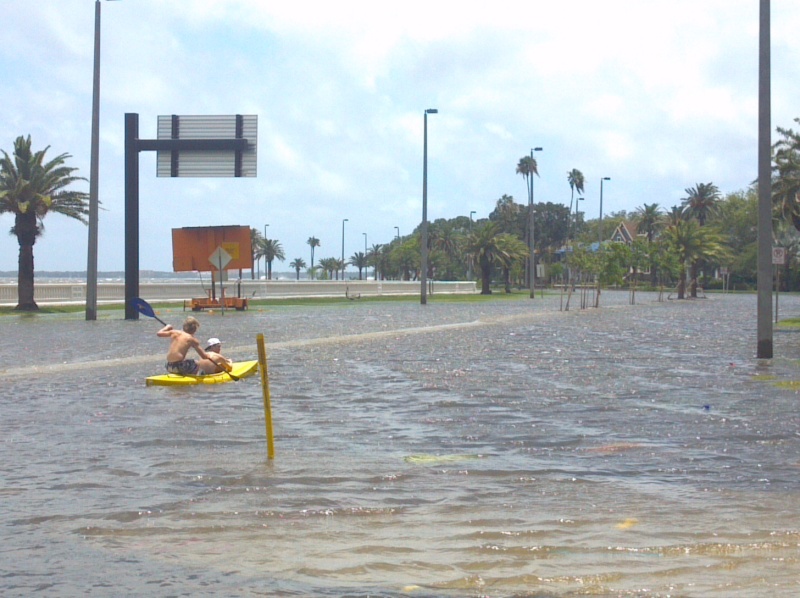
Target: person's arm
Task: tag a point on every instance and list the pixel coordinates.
(166, 331)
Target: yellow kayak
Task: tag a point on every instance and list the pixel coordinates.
(241, 369)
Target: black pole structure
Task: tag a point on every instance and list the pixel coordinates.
(94, 168)
(134, 145)
(764, 280)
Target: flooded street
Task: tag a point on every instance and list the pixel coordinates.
(501, 449)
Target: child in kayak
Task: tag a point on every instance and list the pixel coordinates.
(216, 362)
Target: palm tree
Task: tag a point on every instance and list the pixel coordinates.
(313, 242)
(329, 265)
(298, 264)
(649, 219)
(786, 177)
(374, 257)
(511, 249)
(273, 250)
(359, 260)
(527, 167)
(576, 181)
(484, 249)
(256, 241)
(29, 189)
(701, 201)
(693, 243)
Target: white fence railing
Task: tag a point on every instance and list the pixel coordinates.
(114, 292)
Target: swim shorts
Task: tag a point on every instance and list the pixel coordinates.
(187, 367)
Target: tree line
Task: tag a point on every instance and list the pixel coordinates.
(685, 246)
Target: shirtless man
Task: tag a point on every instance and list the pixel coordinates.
(216, 361)
(180, 343)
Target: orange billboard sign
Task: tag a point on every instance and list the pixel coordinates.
(193, 247)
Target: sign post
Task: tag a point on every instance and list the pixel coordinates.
(219, 259)
(187, 146)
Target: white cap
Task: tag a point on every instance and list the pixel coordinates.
(212, 341)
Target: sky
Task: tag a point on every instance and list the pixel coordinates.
(657, 95)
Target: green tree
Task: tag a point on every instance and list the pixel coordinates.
(700, 201)
(649, 220)
(30, 188)
(273, 250)
(314, 243)
(485, 246)
(359, 260)
(298, 264)
(256, 244)
(693, 243)
(511, 250)
(576, 182)
(786, 176)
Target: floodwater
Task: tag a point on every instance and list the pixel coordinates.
(505, 449)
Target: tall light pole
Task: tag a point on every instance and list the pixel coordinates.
(94, 168)
(397, 232)
(423, 277)
(343, 266)
(531, 244)
(600, 228)
(265, 255)
(469, 263)
(764, 259)
(366, 270)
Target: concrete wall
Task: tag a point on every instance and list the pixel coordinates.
(253, 289)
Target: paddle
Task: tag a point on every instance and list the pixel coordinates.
(143, 307)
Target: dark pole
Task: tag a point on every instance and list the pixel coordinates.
(531, 237)
(397, 229)
(343, 266)
(600, 227)
(131, 214)
(423, 276)
(94, 168)
(265, 255)
(764, 281)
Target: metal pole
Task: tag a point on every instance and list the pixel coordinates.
(343, 267)
(600, 227)
(423, 276)
(265, 255)
(131, 214)
(764, 283)
(94, 168)
(366, 270)
(469, 265)
(531, 236)
(397, 230)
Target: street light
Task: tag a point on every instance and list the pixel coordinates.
(397, 229)
(366, 273)
(265, 255)
(423, 299)
(531, 244)
(600, 231)
(343, 266)
(469, 264)
(94, 169)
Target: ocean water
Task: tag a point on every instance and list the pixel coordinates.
(502, 449)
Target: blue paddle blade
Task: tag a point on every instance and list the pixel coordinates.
(143, 307)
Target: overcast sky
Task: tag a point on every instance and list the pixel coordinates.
(658, 95)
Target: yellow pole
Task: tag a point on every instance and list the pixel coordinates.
(262, 362)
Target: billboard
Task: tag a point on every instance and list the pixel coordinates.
(211, 248)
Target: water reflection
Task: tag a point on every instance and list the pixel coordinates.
(506, 450)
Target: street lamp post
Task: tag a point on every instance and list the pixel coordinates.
(343, 266)
(469, 264)
(94, 167)
(397, 232)
(366, 270)
(600, 231)
(531, 243)
(265, 255)
(423, 277)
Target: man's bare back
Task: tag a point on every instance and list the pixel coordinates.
(180, 343)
